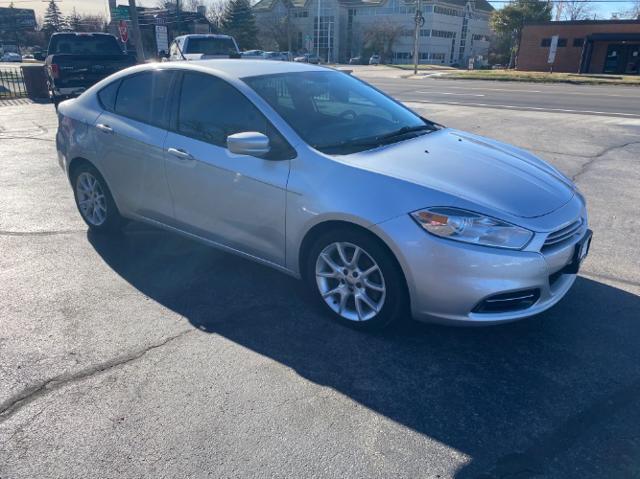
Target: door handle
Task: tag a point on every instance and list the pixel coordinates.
(180, 153)
(104, 128)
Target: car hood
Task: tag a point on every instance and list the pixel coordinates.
(476, 169)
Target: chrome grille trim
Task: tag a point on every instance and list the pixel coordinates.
(563, 233)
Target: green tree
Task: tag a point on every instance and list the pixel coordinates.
(238, 21)
(53, 19)
(509, 20)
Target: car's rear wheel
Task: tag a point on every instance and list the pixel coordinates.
(357, 279)
(94, 200)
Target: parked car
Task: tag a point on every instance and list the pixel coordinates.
(355, 61)
(39, 55)
(203, 47)
(76, 61)
(317, 174)
(255, 54)
(374, 60)
(28, 56)
(275, 56)
(11, 57)
(307, 58)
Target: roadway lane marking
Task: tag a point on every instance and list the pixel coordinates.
(494, 89)
(522, 107)
(448, 93)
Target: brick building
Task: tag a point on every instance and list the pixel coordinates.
(585, 46)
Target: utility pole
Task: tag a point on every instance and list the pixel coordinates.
(318, 33)
(133, 13)
(419, 20)
(178, 18)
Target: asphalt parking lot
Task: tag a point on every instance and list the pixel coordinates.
(149, 355)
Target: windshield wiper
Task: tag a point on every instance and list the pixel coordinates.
(378, 140)
(403, 131)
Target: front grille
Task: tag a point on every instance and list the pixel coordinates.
(506, 302)
(563, 234)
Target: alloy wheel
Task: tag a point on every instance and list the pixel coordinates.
(350, 281)
(91, 199)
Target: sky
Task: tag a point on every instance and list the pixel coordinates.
(603, 9)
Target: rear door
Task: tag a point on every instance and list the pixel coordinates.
(235, 200)
(130, 136)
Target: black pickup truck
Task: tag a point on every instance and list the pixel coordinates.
(76, 61)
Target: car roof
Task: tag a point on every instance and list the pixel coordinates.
(204, 35)
(240, 68)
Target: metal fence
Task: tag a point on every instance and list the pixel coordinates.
(12, 83)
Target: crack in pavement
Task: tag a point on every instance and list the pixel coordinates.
(50, 140)
(593, 159)
(41, 233)
(14, 404)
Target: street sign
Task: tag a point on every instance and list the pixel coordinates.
(162, 39)
(552, 49)
(124, 31)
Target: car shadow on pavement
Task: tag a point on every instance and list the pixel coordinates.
(515, 398)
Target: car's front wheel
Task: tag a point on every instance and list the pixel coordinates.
(94, 200)
(357, 279)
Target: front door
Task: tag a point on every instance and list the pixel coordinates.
(236, 200)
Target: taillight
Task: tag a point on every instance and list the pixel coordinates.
(55, 70)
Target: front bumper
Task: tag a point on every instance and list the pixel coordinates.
(447, 280)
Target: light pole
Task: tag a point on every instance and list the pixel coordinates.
(133, 14)
(419, 20)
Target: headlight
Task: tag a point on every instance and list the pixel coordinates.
(461, 225)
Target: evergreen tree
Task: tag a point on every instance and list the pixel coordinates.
(53, 19)
(238, 21)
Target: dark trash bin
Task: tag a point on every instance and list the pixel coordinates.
(35, 81)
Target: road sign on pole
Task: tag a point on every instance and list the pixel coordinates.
(124, 31)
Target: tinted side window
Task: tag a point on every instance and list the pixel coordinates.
(144, 97)
(107, 96)
(211, 109)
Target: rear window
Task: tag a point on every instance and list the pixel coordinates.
(211, 46)
(144, 97)
(84, 45)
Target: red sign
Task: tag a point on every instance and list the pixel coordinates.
(124, 31)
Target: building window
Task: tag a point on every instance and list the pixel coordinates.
(562, 42)
(300, 14)
(442, 34)
(578, 42)
(546, 42)
(447, 11)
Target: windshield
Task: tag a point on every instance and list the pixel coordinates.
(335, 113)
(211, 46)
(85, 45)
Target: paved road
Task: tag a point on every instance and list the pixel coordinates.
(562, 98)
(148, 355)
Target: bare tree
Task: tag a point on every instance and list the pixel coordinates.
(574, 10)
(381, 36)
(634, 12)
(276, 32)
(215, 11)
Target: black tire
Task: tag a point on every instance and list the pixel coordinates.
(395, 308)
(113, 221)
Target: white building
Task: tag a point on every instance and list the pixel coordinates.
(453, 32)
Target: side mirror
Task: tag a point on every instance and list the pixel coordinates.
(248, 143)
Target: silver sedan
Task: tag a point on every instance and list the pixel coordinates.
(384, 214)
